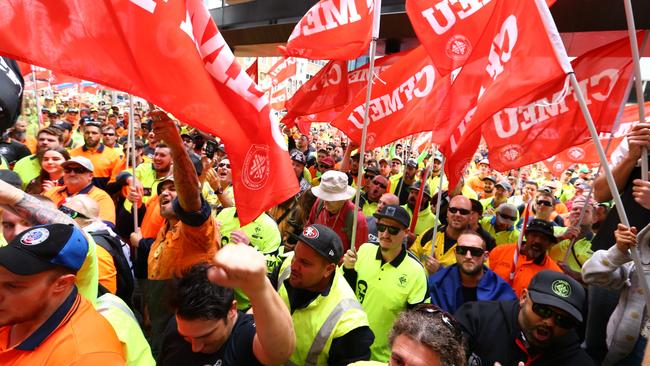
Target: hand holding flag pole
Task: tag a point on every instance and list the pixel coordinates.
(629, 16)
(610, 182)
(438, 203)
(371, 69)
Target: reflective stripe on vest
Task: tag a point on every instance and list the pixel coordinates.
(326, 330)
(106, 302)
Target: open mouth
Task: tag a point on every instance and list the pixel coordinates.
(542, 334)
(165, 200)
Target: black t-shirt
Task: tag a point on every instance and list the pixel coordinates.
(237, 351)
(469, 294)
(13, 150)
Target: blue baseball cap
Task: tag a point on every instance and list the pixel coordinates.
(45, 247)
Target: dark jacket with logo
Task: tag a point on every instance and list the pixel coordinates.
(494, 335)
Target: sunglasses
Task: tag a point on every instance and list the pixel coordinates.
(392, 230)
(323, 166)
(72, 213)
(461, 211)
(562, 321)
(380, 184)
(475, 252)
(221, 165)
(545, 203)
(78, 170)
(109, 134)
(447, 319)
(507, 217)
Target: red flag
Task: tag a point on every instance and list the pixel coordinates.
(402, 97)
(459, 151)
(553, 122)
(59, 78)
(329, 94)
(328, 88)
(176, 59)
(252, 71)
(282, 70)
(333, 30)
(515, 48)
(586, 153)
(278, 99)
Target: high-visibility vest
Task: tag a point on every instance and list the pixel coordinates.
(324, 319)
(136, 348)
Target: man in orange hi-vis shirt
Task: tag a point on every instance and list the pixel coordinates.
(190, 234)
(518, 268)
(44, 320)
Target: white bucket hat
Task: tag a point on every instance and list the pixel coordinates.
(333, 187)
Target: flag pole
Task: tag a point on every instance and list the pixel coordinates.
(629, 16)
(634, 252)
(131, 137)
(438, 204)
(424, 176)
(39, 114)
(364, 133)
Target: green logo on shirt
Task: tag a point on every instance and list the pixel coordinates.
(561, 288)
(402, 280)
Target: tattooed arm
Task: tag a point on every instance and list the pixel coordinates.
(30, 208)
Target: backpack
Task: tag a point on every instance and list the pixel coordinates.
(125, 280)
(348, 221)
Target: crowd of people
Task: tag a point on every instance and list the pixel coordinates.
(108, 263)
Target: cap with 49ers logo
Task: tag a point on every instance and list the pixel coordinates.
(323, 240)
(43, 248)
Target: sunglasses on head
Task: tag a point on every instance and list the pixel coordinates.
(561, 320)
(221, 165)
(458, 210)
(545, 203)
(78, 170)
(475, 252)
(392, 230)
(449, 321)
(507, 217)
(72, 213)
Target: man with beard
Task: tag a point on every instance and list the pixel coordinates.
(189, 235)
(426, 219)
(148, 175)
(502, 225)
(370, 198)
(489, 183)
(469, 279)
(518, 266)
(441, 251)
(103, 159)
(537, 329)
(29, 167)
(387, 279)
(400, 184)
(384, 167)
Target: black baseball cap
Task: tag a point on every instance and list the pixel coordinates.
(493, 179)
(43, 248)
(323, 240)
(298, 156)
(416, 186)
(542, 227)
(558, 290)
(394, 212)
